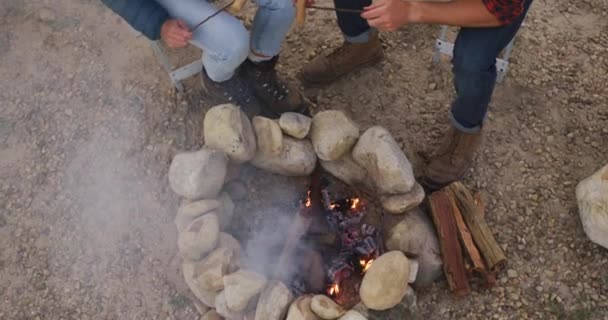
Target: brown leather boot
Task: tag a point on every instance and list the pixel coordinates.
(452, 160)
(350, 56)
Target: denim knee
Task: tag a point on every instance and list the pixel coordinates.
(225, 55)
(276, 4)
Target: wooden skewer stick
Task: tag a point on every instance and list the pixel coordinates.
(237, 6)
(300, 13)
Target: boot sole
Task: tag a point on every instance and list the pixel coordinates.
(318, 84)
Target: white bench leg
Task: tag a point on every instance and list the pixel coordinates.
(166, 64)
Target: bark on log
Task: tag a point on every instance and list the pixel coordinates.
(466, 240)
(447, 232)
(482, 235)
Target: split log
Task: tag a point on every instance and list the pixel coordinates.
(466, 240)
(447, 232)
(482, 235)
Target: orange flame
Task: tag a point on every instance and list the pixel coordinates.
(355, 203)
(334, 289)
(332, 206)
(365, 265)
(308, 202)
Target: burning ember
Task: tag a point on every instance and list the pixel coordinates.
(334, 290)
(365, 264)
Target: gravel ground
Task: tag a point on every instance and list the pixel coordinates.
(89, 123)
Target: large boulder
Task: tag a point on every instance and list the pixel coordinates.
(210, 272)
(274, 302)
(324, 307)
(387, 165)
(269, 135)
(295, 124)
(354, 315)
(221, 307)
(212, 315)
(406, 309)
(414, 234)
(242, 286)
(346, 169)
(385, 283)
(199, 237)
(227, 128)
(297, 158)
(187, 212)
(198, 174)
(300, 309)
(333, 134)
(592, 197)
(400, 203)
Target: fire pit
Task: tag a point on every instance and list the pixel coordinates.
(332, 248)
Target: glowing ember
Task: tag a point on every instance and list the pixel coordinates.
(334, 290)
(332, 206)
(355, 202)
(365, 264)
(308, 202)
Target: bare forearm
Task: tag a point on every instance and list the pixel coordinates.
(462, 13)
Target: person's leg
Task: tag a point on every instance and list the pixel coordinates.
(474, 67)
(224, 39)
(270, 26)
(361, 47)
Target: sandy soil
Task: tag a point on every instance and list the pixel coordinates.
(89, 124)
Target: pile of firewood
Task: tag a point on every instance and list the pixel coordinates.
(470, 252)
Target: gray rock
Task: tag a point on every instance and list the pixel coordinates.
(236, 189)
(199, 174)
(221, 307)
(401, 203)
(414, 234)
(295, 124)
(346, 169)
(187, 212)
(274, 302)
(199, 237)
(333, 134)
(414, 265)
(204, 296)
(227, 211)
(269, 137)
(592, 198)
(242, 286)
(353, 315)
(210, 272)
(406, 309)
(227, 128)
(387, 165)
(297, 158)
(300, 309)
(212, 315)
(325, 308)
(385, 283)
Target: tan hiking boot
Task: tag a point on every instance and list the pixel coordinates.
(452, 160)
(350, 56)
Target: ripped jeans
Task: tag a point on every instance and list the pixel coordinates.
(225, 41)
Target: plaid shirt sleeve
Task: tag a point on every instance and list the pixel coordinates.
(506, 11)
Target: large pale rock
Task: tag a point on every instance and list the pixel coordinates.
(227, 128)
(400, 203)
(406, 309)
(297, 158)
(300, 309)
(353, 315)
(212, 315)
(346, 169)
(240, 287)
(204, 296)
(324, 307)
(210, 271)
(221, 307)
(269, 135)
(387, 165)
(414, 267)
(414, 234)
(295, 124)
(385, 283)
(227, 210)
(333, 134)
(199, 237)
(592, 197)
(274, 302)
(198, 174)
(187, 212)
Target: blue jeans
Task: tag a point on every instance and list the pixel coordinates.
(474, 61)
(225, 41)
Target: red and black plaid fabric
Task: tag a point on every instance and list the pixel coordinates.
(505, 10)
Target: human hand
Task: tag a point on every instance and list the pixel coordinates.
(388, 15)
(175, 33)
